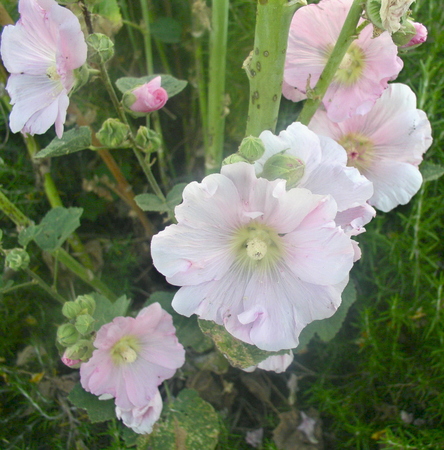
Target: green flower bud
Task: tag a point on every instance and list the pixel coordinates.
(71, 310)
(87, 303)
(113, 134)
(251, 148)
(286, 167)
(67, 335)
(234, 158)
(100, 47)
(17, 259)
(84, 324)
(406, 33)
(82, 349)
(148, 139)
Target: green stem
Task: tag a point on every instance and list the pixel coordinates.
(202, 89)
(265, 64)
(63, 256)
(216, 86)
(346, 37)
(53, 293)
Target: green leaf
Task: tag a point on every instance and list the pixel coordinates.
(167, 30)
(174, 197)
(327, 329)
(72, 141)
(106, 311)
(57, 225)
(172, 85)
(240, 354)
(187, 423)
(98, 410)
(150, 202)
(110, 10)
(430, 171)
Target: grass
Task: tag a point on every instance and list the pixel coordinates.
(379, 384)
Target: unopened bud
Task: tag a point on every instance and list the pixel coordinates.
(286, 167)
(72, 363)
(234, 158)
(87, 304)
(113, 134)
(251, 148)
(148, 139)
(71, 310)
(82, 350)
(418, 38)
(146, 98)
(84, 324)
(100, 47)
(17, 259)
(67, 334)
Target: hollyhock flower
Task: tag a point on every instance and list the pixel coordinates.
(275, 363)
(364, 72)
(386, 145)
(133, 357)
(146, 98)
(141, 420)
(41, 52)
(251, 256)
(323, 171)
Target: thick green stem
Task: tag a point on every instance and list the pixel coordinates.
(216, 86)
(63, 256)
(346, 37)
(265, 64)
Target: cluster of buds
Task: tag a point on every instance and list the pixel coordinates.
(77, 334)
(250, 150)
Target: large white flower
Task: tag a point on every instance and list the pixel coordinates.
(254, 257)
(41, 52)
(386, 145)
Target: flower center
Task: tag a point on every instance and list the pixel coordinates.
(360, 150)
(52, 73)
(257, 245)
(125, 351)
(351, 67)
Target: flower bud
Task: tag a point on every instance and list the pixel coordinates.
(17, 259)
(67, 334)
(286, 167)
(87, 303)
(82, 350)
(234, 158)
(71, 310)
(100, 47)
(148, 139)
(251, 148)
(72, 363)
(146, 98)
(113, 134)
(419, 37)
(84, 324)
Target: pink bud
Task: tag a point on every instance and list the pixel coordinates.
(73, 363)
(420, 36)
(149, 97)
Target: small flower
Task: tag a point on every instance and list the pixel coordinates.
(386, 145)
(146, 98)
(142, 419)
(133, 357)
(363, 73)
(323, 170)
(251, 256)
(41, 52)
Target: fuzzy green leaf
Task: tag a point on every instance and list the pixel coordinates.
(150, 202)
(327, 329)
(240, 354)
(72, 141)
(106, 311)
(172, 85)
(430, 171)
(98, 410)
(187, 423)
(174, 197)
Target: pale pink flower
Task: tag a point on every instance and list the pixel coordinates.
(133, 357)
(148, 97)
(251, 256)
(142, 419)
(386, 145)
(41, 52)
(324, 172)
(274, 363)
(420, 36)
(364, 72)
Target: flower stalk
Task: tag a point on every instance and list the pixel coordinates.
(265, 64)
